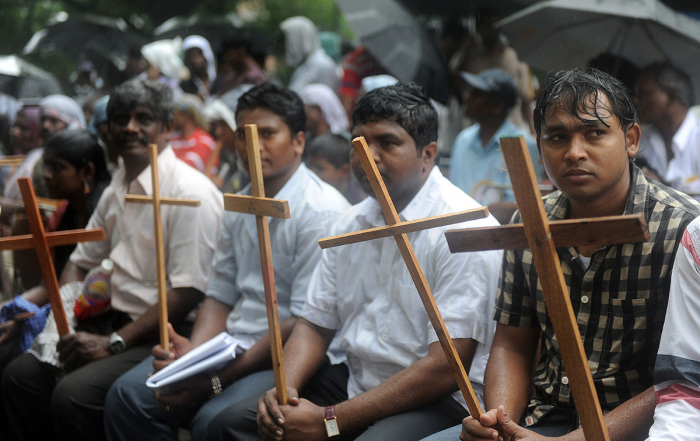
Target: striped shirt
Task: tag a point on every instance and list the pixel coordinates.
(619, 300)
(677, 373)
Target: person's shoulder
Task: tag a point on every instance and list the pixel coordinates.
(448, 198)
(665, 197)
(316, 196)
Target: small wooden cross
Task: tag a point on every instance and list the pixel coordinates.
(535, 233)
(157, 201)
(41, 241)
(398, 230)
(263, 207)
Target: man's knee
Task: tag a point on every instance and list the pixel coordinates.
(235, 422)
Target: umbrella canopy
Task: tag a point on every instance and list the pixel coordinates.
(21, 79)
(563, 34)
(398, 42)
(214, 28)
(105, 41)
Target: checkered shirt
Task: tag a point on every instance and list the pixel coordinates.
(619, 302)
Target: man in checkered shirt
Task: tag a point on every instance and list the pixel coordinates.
(587, 137)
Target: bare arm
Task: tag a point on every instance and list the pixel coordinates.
(210, 321)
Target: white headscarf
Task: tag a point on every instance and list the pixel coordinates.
(332, 109)
(202, 44)
(165, 55)
(64, 108)
(300, 39)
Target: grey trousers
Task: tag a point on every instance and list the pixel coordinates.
(131, 412)
(327, 387)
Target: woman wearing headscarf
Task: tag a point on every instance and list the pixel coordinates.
(164, 63)
(302, 47)
(324, 111)
(199, 59)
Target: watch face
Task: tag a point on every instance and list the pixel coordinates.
(116, 344)
(332, 428)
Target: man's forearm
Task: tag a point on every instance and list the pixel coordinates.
(629, 421)
(180, 303)
(422, 383)
(305, 352)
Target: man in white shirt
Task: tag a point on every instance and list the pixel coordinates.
(235, 298)
(396, 383)
(71, 407)
(671, 144)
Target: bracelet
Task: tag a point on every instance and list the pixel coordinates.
(216, 385)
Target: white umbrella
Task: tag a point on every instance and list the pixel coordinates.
(563, 34)
(21, 79)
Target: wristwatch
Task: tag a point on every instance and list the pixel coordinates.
(116, 343)
(331, 423)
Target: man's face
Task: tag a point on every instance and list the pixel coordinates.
(133, 130)
(402, 167)
(195, 61)
(50, 125)
(650, 101)
(480, 105)
(587, 160)
(280, 150)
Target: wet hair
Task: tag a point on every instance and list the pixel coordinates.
(332, 147)
(672, 81)
(278, 100)
(153, 95)
(579, 92)
(405, 104)
(80, 147)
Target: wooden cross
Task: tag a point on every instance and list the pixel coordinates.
(263, 207)
(535, 233)
(41, 241)
(11, 161)
(157, 201)
(398, 230)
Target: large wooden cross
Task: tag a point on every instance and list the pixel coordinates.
(542, 237)
(262, 207)
(157, 201)
(41, 241)
(398, 229)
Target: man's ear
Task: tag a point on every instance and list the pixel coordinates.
(632, 137)
(345, 169)
(299, 142)
(429, 155)
(167, 131)
(87, 173)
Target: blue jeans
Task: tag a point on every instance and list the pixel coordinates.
(131, 412)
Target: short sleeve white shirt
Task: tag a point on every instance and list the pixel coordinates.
(189, 234)
(364, 290)
(237, 282)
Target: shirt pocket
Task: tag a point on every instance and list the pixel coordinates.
(405, 325)
(626, 333)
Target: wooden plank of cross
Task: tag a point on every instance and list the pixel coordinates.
(542, 237)
(156, 200)
(263, 207)
(41, 241)
(398, 229)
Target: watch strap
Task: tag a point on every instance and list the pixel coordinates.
(331, 422)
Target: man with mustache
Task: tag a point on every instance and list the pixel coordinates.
(45, 402)
(396, 382)
(587, 136)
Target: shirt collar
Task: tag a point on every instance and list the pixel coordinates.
(165, 160)
(370, 212)
(681, 139)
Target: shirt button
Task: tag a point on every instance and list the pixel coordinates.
(584, 299)
(565, 380)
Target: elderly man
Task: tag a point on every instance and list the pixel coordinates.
(69, 402)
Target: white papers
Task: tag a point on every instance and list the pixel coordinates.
(208, 357)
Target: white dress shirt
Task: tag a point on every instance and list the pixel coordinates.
(189, 234)
(683, 171)
(364, 290)
(237, 282)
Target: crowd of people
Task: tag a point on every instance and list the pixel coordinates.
(361, 357)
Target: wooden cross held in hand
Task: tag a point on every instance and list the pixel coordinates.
(263, 207)
(157, 201)
(41, 241)
(398, 230)
(535, 233)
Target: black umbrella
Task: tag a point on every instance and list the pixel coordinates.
(399, 43)
(215, 28)
(104, 41)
